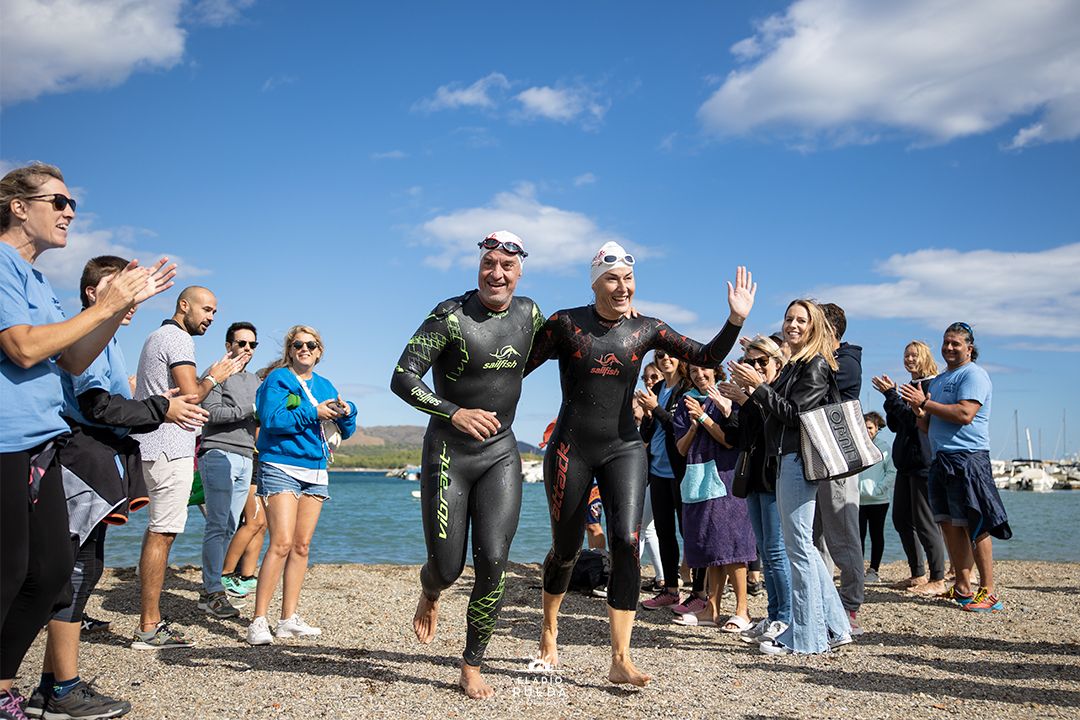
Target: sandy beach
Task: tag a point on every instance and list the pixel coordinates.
(919, 657)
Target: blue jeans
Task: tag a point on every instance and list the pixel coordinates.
(226, 478)
(770, 546)
(816, 611)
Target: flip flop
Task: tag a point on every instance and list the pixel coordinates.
(693, 621)
(735, 624)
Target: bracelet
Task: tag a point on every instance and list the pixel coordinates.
(701, 419)
(922, 405)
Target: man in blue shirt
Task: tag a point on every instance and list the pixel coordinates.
(955, 412)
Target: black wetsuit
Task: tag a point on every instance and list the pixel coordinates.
(477, 357)
(595, 434)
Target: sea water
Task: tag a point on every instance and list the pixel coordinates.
(371, 518)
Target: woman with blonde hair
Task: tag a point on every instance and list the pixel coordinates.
(297, 409)
(818, 619)
(912, 517)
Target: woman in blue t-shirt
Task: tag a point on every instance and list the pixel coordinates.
(300, 413)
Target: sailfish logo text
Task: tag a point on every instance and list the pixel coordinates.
(606, 365)
(423, 396)
(503, 359)
(444, 482)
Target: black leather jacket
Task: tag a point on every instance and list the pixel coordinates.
(746, 431)
(802, 386)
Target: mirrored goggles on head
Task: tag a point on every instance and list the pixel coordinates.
(491, 243)
(613, 259)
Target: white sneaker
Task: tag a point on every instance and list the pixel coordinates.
(771, 647)
(258, 633)
(753, 633)
(774, 630)
(295, 627)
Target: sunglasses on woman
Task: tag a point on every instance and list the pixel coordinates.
(250, 344)
(59, 202)
(492, 243)
(759, 362)
(311, 345)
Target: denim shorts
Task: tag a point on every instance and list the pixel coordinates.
(272, 480)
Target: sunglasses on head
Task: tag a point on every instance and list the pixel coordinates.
(311, 344)
(247, 343)
(758, 362)
(59, 202)
(491, 243)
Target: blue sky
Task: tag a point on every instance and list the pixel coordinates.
(335, 164)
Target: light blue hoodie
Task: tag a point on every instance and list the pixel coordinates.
(876, 483)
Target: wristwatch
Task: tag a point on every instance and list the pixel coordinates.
(210, 377)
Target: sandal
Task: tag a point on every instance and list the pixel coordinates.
(735, 624)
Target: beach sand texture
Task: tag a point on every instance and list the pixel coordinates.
(919, 658)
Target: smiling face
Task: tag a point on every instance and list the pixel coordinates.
(499, 275)
(651, 376)
(703, 378)
(871, 429)
(771, 368)
(796, 326)
(614, 291)
(911, 359)
(667, 364)
(955, 349)
(46, 226)
(303, 359)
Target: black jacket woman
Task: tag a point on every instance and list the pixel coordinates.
(818, 620)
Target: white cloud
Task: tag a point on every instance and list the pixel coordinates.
(275, 81)
(217, 13)
(64, 266)
(1017, 294)
(454, 96)
(584, 179)
(555, 238)
(53, 47)
(390, 155)
(668, 312)
(563, 104)
(842, 70)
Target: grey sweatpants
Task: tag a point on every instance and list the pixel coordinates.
(836, 535)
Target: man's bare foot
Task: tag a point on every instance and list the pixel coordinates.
(935, 587)
(473, 683)
(623, 672)
(549, 650)
(910, 582)
(425, 619)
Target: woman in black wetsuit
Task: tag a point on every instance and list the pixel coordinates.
(600, 351)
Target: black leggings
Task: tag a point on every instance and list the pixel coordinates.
(89, 565)
(465, 482)
(914, 522)
(872, 517)
(36, 556)
(666, 496)
(621, 476)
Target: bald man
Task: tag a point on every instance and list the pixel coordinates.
(168, 454)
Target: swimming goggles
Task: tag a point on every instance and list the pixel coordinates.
(493, 243)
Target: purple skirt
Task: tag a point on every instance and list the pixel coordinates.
(718, 531)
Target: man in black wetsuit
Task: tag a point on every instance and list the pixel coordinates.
(476, 345)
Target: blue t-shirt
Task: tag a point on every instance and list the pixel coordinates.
(32, 398)
(108, 372)
(967, 382)
(660, 465)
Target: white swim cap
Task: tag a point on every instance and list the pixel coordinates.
(610, 255)
(506, 241)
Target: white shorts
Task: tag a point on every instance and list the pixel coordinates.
(169, 483)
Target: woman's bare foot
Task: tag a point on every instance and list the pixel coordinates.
(549, 650)
(623, 672)
(910, 583)
(425, 619)
(473, 683)
(934, 587)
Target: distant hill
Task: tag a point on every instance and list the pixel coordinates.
(401, 437)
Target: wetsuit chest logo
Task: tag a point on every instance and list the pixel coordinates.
(606, 365)
(504, 359)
